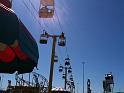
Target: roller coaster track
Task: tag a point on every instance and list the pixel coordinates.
(38, 80)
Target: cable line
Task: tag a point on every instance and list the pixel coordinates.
(33, 14)
(59, 21)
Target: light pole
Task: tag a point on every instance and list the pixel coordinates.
(83, 63)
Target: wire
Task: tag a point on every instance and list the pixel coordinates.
(59, 21)
(60, 25)
(60, 53)
(33, 14)
(55, 23)
(32, 5)
(67, 52)
(37, 12)
(45, 23)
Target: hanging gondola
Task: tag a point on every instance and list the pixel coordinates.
(46, 9)
(18, 49)
(67, 62)
(60, 68)
(62, 40)
(71, 78)
(44, 37)
(55, 58)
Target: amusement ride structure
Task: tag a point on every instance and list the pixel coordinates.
(20, 54)
(108, 83)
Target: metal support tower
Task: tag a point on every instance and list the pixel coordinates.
(108, 83)
(66, 69)
(88, 86)
(61, 42)
(52, 64)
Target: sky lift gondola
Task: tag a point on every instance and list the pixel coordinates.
(63, 76)
(71, 77)
(18, 49)
(55, 58)
(69, 71)
(62, 40)
(46, 9)
(67, 62)
(44, 38)
(60, 68)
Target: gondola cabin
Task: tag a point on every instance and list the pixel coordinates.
(62, 40)
(46, 9)
(55, 58)
(43, 38)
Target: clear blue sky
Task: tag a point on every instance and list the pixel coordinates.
(95, 34)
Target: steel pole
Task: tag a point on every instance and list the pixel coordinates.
(83, 75)
(52, 65)
(65, 77)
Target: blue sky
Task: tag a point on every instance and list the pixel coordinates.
(95, 34)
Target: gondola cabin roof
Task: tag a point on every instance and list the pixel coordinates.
(46, 9)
